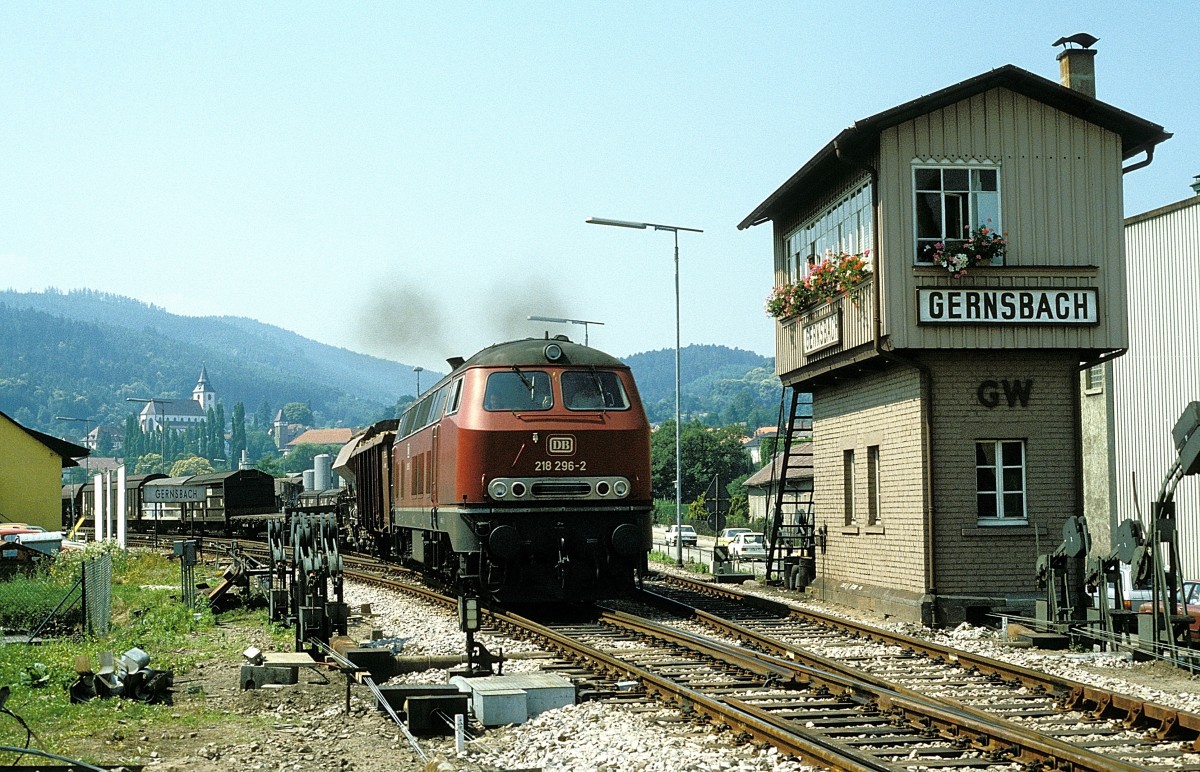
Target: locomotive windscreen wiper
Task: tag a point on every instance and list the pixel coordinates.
(599, 389)
(528, 383)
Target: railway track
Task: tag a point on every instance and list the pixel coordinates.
(873, 700)
(1116, 725)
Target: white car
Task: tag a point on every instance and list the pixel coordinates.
(748, 546)
(726, 535)
(686, 536)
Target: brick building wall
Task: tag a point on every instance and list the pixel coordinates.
(889, 565)
(1000, 560)
(882, 565)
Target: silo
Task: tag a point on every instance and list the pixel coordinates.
(322, 468)
(308, 479)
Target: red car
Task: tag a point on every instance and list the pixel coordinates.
(1189, 605)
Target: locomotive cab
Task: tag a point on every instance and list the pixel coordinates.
(526, 469)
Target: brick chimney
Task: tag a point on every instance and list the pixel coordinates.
(1077, 70)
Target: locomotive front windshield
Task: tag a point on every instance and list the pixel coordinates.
(518, 390)
(593, 390)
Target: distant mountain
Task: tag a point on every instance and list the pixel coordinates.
(83, 353)
(718, 385)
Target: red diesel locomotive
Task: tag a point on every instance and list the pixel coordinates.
(523, 475)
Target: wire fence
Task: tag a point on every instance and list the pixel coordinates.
(41, 599)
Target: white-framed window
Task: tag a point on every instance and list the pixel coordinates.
(950, 201)
(1093, 379)
(1000, 480)
(845, 226)
(848, 485)
(874, 499)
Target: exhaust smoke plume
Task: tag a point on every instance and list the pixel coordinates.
(407, 323)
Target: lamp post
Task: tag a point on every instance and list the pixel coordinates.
(585, 323)
(87, 460)
(675, 229)
(418, 370)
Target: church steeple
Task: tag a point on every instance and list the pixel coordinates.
(203, 392)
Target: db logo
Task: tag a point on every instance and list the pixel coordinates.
(562, 445)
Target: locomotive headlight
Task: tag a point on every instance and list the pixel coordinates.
(602, 488)
(498, 489)
(553, 352)
(621, 488)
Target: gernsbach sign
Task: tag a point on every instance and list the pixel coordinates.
(1007, 306)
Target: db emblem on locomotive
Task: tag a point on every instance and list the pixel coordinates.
(561, 445)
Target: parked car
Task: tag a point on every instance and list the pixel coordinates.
(686, 536)
(726, 536)
(1189, 605)
(748, 546)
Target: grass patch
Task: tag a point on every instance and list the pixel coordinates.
(657, 556)
(146, 613)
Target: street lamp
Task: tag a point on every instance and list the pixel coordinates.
(565, 321)
(418, 370)
(678, 456)
(87, 460)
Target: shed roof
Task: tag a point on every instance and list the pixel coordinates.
(861, 138)
(800, 468)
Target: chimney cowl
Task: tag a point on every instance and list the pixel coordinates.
(1196, 184)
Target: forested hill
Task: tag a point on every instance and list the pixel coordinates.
(720, 386)
(83, 353)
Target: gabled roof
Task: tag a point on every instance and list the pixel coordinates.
(862, 137)
(63, 449)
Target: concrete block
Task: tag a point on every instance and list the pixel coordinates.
(494, 700)
(258, 676)
(500, 706)
(544, 691)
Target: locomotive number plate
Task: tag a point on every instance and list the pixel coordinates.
(560, 445)
(560, 466)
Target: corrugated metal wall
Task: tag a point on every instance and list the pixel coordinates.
(1161, 373)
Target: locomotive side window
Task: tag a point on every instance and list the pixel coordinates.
(518, 390)
(406, 425)
(453, 403)
(593, 390)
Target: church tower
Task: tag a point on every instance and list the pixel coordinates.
(203, 393)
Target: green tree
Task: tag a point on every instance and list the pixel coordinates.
(705, 453)
(148, 464)
(262, 416)
(186, 467)
(269, 463)
(298, 413)
(237, 434)
(259, 444)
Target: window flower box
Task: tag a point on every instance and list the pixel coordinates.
(835, 275)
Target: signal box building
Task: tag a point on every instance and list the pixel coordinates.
(946, 404)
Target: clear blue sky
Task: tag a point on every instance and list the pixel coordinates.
(411, 179)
